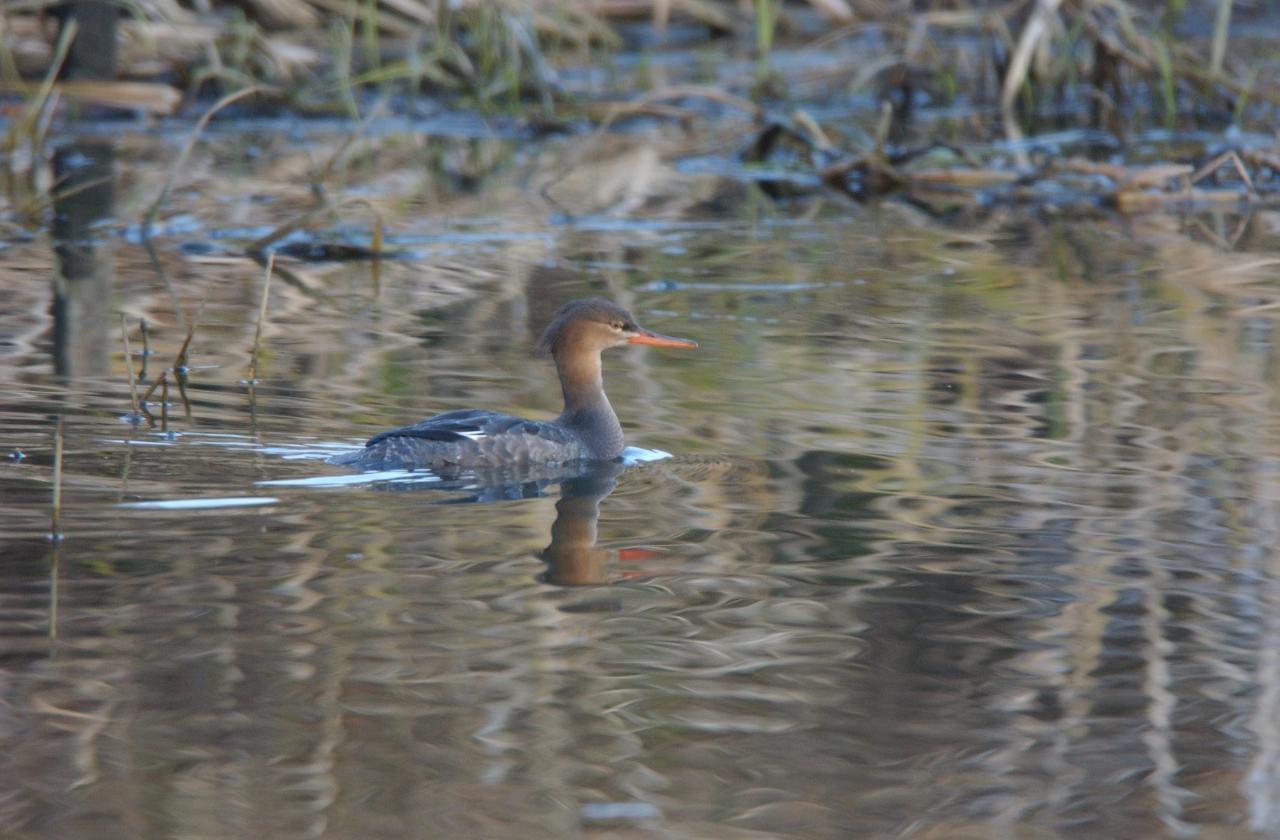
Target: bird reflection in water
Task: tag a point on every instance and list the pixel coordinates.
(573, 558)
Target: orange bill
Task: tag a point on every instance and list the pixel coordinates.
(644, 336)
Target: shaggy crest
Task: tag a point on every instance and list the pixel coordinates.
(595, 309)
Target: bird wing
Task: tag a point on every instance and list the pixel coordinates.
(474, 425)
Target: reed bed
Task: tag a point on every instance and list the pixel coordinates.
(1006, 71)
(1115, 58)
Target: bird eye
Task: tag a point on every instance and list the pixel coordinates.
(618, 325)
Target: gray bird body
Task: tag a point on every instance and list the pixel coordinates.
(587, 429)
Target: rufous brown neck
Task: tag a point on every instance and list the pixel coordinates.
(586, 408)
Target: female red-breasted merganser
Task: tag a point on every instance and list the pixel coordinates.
(587, 429)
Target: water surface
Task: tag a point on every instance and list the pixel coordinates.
(968, 531)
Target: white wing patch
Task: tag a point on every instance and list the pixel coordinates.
(474, 435)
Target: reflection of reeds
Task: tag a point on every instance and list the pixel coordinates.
(262, 319)
(323, 208)
(146, 349)
(179, 371)
(181, 160)
(375, 267)
(164, 404)
(55, 565)
(151, 421)
(128, 364)
(55, 516)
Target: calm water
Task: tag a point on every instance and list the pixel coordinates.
(967, 532)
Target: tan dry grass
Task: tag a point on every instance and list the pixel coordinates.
(490, 49)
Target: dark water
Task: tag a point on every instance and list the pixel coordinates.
(967, 533)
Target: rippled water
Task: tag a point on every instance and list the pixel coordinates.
(967, 532)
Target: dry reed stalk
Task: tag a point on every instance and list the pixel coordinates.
(836, 10)
(1139, 177)
(296, 14)
(1125, 176)
(346, 9)
(609, 112)
(1262, 158)
(154, 98)
(576, 25)
(805, 121)
(1037, 26)
(164, 45)
(1229, 156)
(661, 15)
(413, 10)
(44, 119)
(970, 178)
(716, 18)
(1152, 57)
(1221, 29)
(40, 96)
(706, 13)
(1136, 201)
